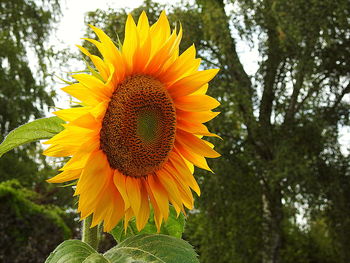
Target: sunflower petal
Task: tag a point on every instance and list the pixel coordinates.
(191, 83)
(134, 193)
(160, 195)
(144, 212)
(195, 144)
(120, 183)
(196, 103)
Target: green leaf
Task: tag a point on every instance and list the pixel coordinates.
(33, 131)
(174, 226)
(152, 249)
(96, 258)
(71, 251)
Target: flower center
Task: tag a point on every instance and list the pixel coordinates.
(138, 129)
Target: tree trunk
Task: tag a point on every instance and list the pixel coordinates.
(272, 224)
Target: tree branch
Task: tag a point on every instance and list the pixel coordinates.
(218, 32)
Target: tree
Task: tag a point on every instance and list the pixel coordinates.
(302, 78)
(24, 95)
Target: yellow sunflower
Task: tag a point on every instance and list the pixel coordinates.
(138, 133)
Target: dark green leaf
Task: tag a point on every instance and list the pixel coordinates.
(152, 248)
(96, 258)
(33, 131)
(71, 251)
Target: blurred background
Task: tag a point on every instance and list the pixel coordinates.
(281, 190)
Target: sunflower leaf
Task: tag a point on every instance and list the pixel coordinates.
(174, 226)
(152, 248)
(33, 131)
(74, 251)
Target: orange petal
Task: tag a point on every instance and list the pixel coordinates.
(133, 191)
(144, 212)
(160, 195)
(184, 65)
(194, 128)
(192, 157)
(191, 83)
(202, 116)
(65, 176)
(193, 143)
(120, 183)
(185, 192)
(196, 103)
(158, 216)
(170, 186)
(183, 171)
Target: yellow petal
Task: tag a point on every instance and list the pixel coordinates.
(192, 157)
(158, 217)
(131, 43)
(195, 128)
(120, 183)
(185, 192)
(79, 159)
(72, 113)
(160, 195)
(134, 193)
(143, 27)
(170, 186)
(94, 85)
(92, 182)
(98, 62)
(196, 103)
(191, 83)
(65, 176)
(193, 143)
(143, 214)
(202, 90)
(184, 173)
(201, 117)
(160, 32)
(184, 65)
(83, 93)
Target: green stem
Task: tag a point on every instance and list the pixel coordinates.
(90, 235)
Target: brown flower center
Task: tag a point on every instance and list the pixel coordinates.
(138, 129)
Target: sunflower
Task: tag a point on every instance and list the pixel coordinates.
(137, 134)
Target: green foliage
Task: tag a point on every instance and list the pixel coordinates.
(25, 25)
(153, 248)
(25, 225)
(173, 227)
(137, 249)
(73, 251)
(33, 131)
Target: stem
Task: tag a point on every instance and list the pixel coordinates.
(90, 235)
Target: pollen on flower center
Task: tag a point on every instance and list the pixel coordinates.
(138, 129)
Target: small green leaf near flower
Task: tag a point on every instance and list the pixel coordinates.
(39, 129)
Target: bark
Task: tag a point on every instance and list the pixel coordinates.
(272, 224)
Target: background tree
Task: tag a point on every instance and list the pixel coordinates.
(27, 202)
